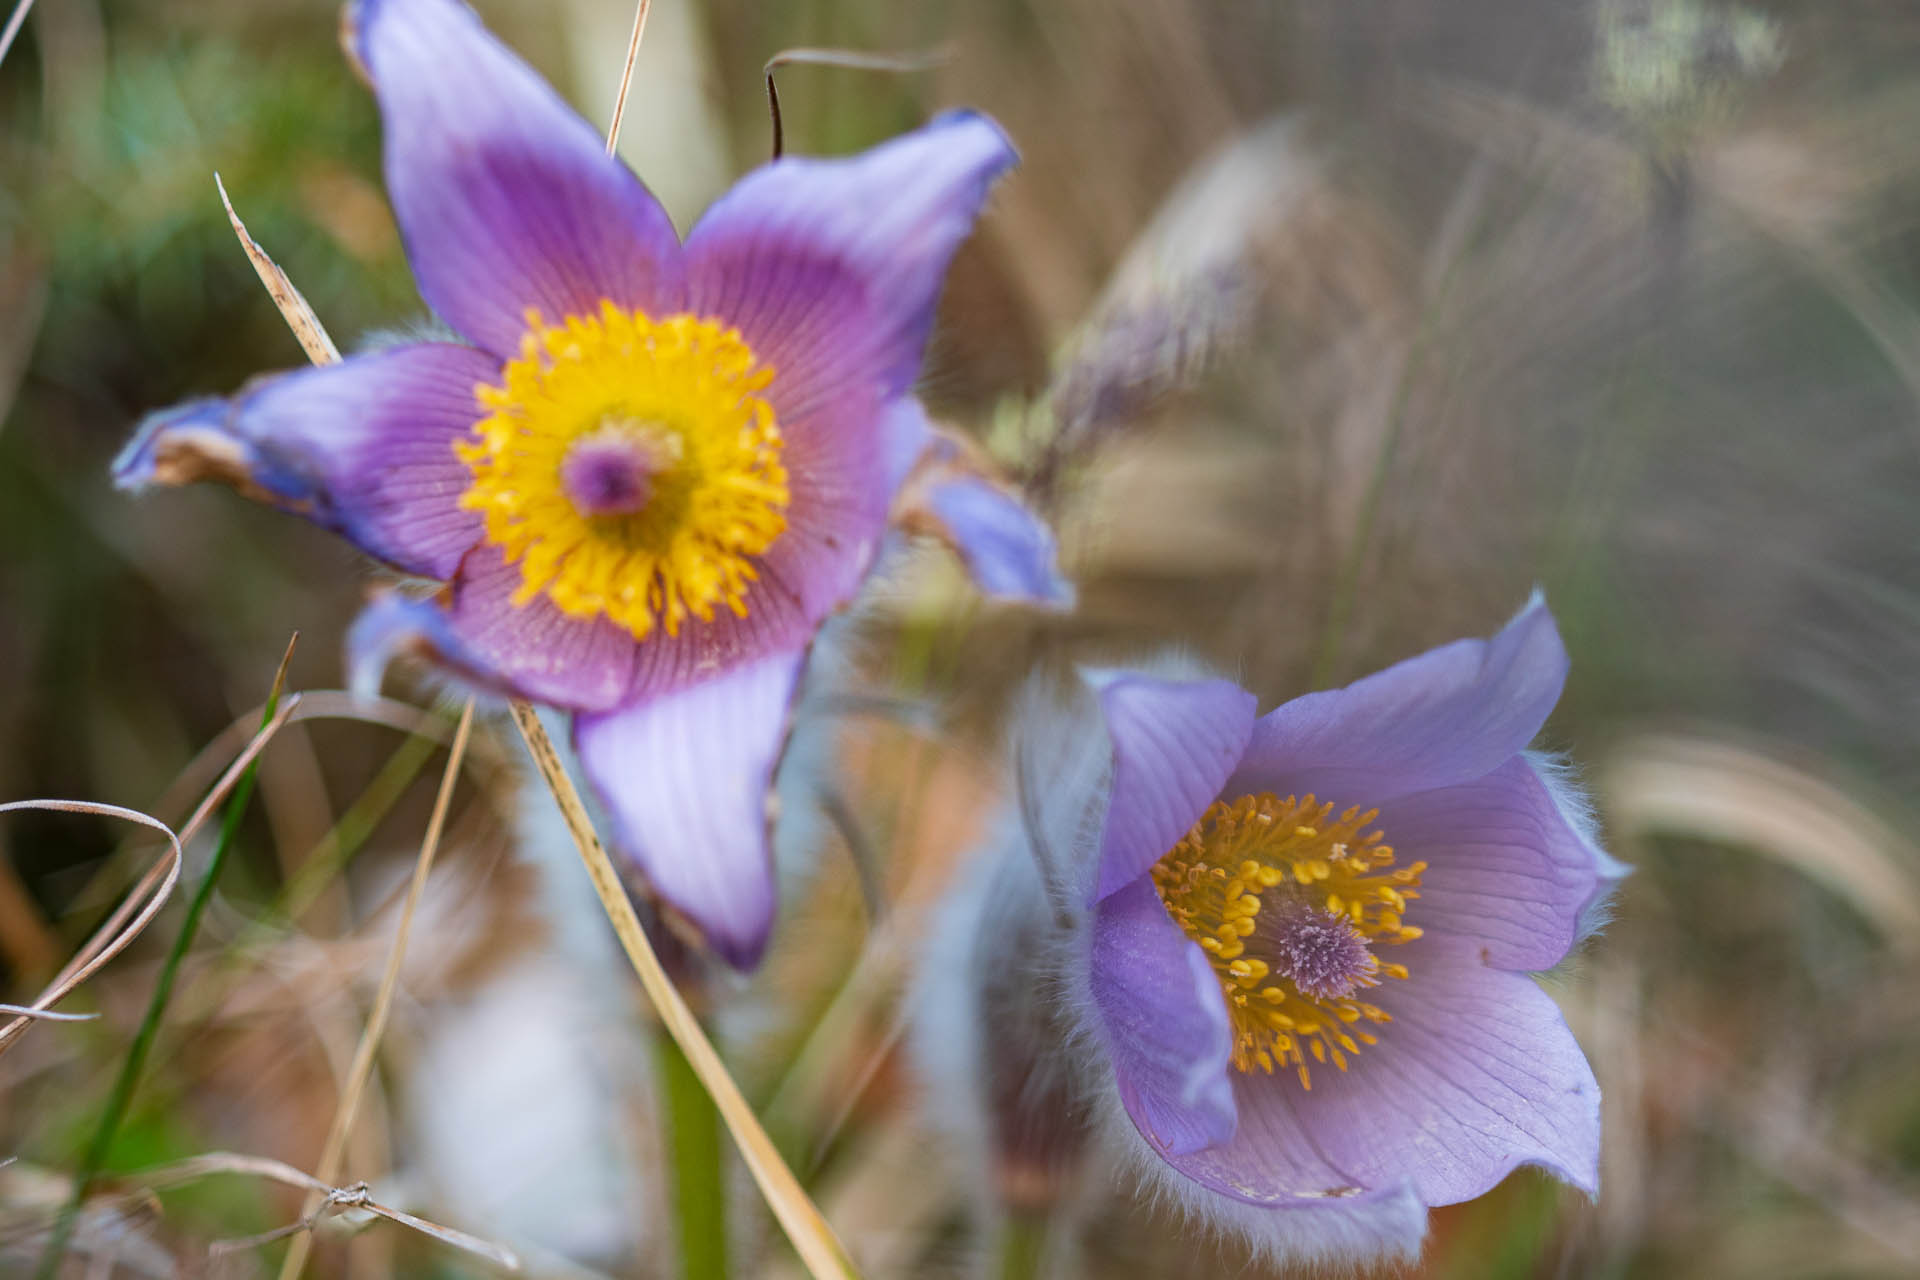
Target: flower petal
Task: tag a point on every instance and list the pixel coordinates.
(506, 198)
(909, 436)
(398, 625)
(363, 447)
(814, 567)
(1165, 1023)
(1007, 549)
(830, 268)
(687, 777)
(1475, 1076)
(533, 650)
(1174, 743)
(1505, 867)
(1450, 715)
(536, 650)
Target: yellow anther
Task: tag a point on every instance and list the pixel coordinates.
(1257, 863)
(673, 404)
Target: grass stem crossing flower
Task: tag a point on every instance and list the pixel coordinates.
(645, 471)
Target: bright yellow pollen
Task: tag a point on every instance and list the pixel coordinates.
(682, 393)
(1259, 853)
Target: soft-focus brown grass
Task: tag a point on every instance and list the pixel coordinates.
(1327, 330)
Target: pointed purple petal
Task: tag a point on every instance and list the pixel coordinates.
(538, 652)
(1007, 549)
(949, 494)
(1505, 867)
(908, 436)
(396, 625)
(1450, 715)
(686, 778)
(831, 268)
(1174, 743)
(1165, 1023)
(1475, 1076)
(363, 447)
(506, 198)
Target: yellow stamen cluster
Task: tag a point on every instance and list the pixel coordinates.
(1254, 867)
(683, 392)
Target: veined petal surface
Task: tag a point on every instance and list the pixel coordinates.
(1165, 1023)
(506, 198)
(363, 447)
(687, 776)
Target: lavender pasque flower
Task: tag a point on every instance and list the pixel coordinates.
(1302, 942)
(646, 471)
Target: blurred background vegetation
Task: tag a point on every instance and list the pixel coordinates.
(1324, 328)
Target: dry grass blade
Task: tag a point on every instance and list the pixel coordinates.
(300, 318)
(362, 1068)
(313, 704)
(48, 1015)
(848, 58)
(331, 1199)
(152, 893)
(626, 74)
(14, 23)
(1734, 795)
(813, 1239)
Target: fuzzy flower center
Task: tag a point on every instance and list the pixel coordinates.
(630, 467)
(1289, 901)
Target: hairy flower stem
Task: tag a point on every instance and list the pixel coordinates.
(699, 1172)
(121, 1099)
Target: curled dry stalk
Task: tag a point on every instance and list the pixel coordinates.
(852, 59)
(120, 1100)
(140, 906)
(812, 1238)
(331, 1199)
(148, 897)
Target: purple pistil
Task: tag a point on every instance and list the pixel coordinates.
(1320, 951)
(610, 473)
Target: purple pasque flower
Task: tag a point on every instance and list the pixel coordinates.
(1310, 937)
(647, 471)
